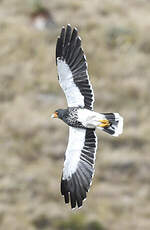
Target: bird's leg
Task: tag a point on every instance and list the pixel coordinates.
(104, 123)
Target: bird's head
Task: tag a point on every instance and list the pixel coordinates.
(59, 113)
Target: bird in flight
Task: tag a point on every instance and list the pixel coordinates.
(82, 120)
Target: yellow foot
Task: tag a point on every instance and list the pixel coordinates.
(104, 123)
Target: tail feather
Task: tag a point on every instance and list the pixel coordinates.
(113, 124)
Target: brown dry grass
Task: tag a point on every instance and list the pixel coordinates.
(116, 41)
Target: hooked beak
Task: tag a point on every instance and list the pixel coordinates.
(54, 115)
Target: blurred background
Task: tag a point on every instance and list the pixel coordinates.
(116, 40)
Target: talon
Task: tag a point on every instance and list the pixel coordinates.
(105, 123)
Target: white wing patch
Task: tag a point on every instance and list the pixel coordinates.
(72, 92)
(73, 152)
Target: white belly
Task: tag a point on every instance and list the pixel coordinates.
(89, 119)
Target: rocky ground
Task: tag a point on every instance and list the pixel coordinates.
(116, 40)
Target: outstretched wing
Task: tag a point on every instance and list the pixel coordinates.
(72, 69)
(79, 165)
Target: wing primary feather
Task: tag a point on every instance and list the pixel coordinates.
(58, 48)
(66, 197)
(88, 168)
(67, 42)
(83, 179)
(68, 35)
(64, 190)
(72, 45)
(62, 37)
(73, 200)
(86, 182)
(74, 35)
(72, 49)
(71, 189)
(62, 34)
(67, 53)
(78, 61)
(77, 190)
(80, 184)
(76, 52)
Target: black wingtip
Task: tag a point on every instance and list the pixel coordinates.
(73, 191)
(64, 190)
(68, 26)
(62, 28)
(62, 34)
(67, 35)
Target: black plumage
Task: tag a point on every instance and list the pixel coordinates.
(70, 117)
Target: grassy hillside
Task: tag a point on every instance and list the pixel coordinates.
(115, 37)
